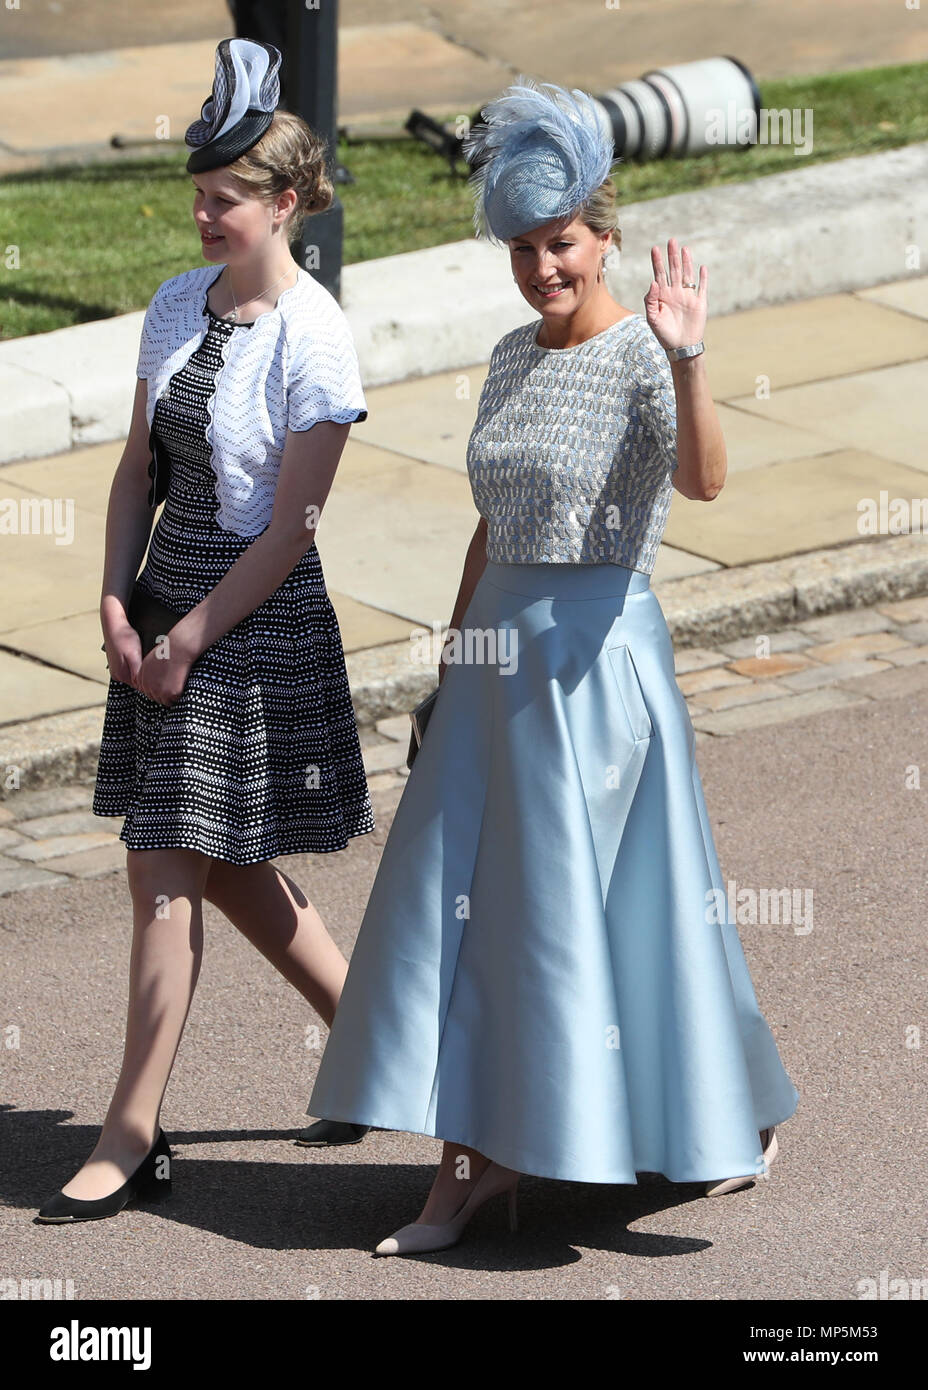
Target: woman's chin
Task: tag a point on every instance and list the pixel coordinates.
(560, 307)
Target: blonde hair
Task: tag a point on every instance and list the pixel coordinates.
(601, 214)
(288, 155)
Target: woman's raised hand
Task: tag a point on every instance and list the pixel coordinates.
(677, 315)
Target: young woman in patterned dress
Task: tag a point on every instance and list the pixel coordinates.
(234, 740)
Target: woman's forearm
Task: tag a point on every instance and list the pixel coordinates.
(257, 573)
(701, 455)
(128, 527)
(474, 564)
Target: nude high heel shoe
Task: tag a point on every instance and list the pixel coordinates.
(418, 1236)
(768, 1138)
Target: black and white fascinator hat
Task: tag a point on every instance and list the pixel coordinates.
(241, 106)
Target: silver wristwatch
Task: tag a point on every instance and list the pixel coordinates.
(692, 350)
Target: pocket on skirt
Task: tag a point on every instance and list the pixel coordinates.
(629, 687)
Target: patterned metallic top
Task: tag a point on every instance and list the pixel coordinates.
(573, 451)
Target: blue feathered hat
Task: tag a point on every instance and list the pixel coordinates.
(540, 152)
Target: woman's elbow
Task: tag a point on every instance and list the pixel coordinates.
(698, 490)
(704, 483)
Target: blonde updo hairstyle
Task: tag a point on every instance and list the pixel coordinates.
(288, 155)
(601, 214)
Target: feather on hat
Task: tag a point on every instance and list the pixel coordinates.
(540, 152)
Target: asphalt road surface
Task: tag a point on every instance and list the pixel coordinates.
(820, 803)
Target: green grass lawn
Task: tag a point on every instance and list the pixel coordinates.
(96, 240)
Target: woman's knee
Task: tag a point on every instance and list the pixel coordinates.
(170, 872)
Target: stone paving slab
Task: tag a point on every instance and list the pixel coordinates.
(29, 690)
(427, 418)
(907, 610)
(47, 801)
(787, 508)
(910, 295)
(16, 880)
(908, 656)
(761, 713)
(401, 516)
(770, 666)
(867, 644)
(888, 685)
(856, 622)
(754, 441)
(808, 340)
(34, 851)
(710, 678)
(72, 643)
(83, 474)
(51, 566)
(883, 412)
(61, 823)
(830, 672)
(789, 640)
(728, 696)
(90, 863)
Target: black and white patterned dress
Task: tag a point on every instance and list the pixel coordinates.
(260, 756)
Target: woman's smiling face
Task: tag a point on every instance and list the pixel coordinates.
(239, 223)
(556, 265)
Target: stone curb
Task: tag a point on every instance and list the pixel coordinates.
(824, 229)
(701, 610)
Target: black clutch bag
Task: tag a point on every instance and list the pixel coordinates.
(420, 718)
(159, 470)
(151, 618)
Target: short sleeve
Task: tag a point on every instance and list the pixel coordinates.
(159, 336)
(147, 363)
(323, 377)
(657, 396)
(485, 394)
(486, 389)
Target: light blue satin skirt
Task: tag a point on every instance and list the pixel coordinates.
(540, 972)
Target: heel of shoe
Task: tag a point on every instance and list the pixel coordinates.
(153, 1178)
(155, 1190)
(513, 1212)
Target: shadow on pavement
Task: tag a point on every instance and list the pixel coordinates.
(314, 1203)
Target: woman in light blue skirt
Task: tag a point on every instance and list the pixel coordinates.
(543, 976)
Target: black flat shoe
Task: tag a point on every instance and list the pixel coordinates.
(151, 1180)
(327, 1133)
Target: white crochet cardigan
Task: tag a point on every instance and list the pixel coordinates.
(295, 365)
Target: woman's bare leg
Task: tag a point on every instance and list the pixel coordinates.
(167, 947)
(271, 911)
